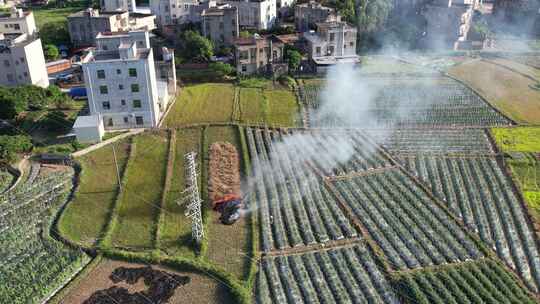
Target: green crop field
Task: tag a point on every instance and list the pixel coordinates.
(86, 216)
(139, 202)
(272, 107)
(202, 103)
(522, 139)
(175, 229)
(52, 22)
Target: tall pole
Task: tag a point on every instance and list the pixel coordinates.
(117, 170)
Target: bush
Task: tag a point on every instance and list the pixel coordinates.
(11, 145)
(221, 68)
(10, 104)
(51, 52)
(195, 47)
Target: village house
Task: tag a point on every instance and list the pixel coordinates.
(126, 87)
(85, 25)
(306, 15)
(220, 24)
(255, 14)
(261, 54)
(118, 5)
(21, 54)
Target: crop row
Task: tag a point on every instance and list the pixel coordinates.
(396, 104)
(482, 281)
(345, 275)
(411, 229)
(33, 264)
(433, 141)
(477, 190)
(295, 207)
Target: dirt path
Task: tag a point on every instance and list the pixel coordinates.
(224, 171)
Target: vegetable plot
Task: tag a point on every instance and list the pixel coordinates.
(344, 275)
(33, 264)
(409, 227)
(477, 190)
(433, 103)
(483, 281)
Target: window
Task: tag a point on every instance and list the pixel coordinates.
(221, 25)
(101, 74)
(351, 44)
(103, 89)
(120, 86)
(10, 77)
(105, 48)
(135, 88)
(118, 71)
(318, 51)
(126, 119)
(106, 105)
(233, 33)
(332, 36)
(17, 26)
(132, 72)
(139, 120)
(233, 21)
(25, 74)
(6, 63)
(344, 46)
(16, 62)
(136, 103)
(244, 68)
(123, 102)
(22, 59)
(110, 122)
(244, 55)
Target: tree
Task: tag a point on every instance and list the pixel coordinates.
(11, 145)
(294, 58)
(10, 104)
(195, 47)
(60, 99)
(51, 52)
(35, 97)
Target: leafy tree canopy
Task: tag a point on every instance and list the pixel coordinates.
(51, 52)
(195, 47)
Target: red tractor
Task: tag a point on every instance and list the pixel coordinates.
(229, 206)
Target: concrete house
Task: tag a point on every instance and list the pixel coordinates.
(259, 54)
(118, 5)
(126, 87)
(307, 15)
(332, 43)
(220, 24)
(255, 14)
(85, 25)
(172, 12)
(21, 54)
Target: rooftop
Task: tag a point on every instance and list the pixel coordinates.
(94, 14)
(90, 121)
(331, 60)
(115, 55)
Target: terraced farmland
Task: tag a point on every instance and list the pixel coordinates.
(344, 275)
(405, 103)
(33, 264)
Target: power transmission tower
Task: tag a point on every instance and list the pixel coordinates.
(192, 197)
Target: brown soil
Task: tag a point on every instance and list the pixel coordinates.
(200, 289)
(224, 167)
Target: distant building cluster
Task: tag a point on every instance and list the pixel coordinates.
(21, 54)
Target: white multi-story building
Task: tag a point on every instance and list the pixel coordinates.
(21, 54)
(126, 88)
(118, 5)
(255, 14)
(171, 12)
(18, 22)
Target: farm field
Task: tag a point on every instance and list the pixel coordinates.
(508, 91)
(342, 275)
(201, 289)
(86, 215)
(202, 103)
(521, 139)
(34, 264)
(262, 106)
(175, 228)
(233, 251)
(398, 103)
(134, 224)
(483, 281)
